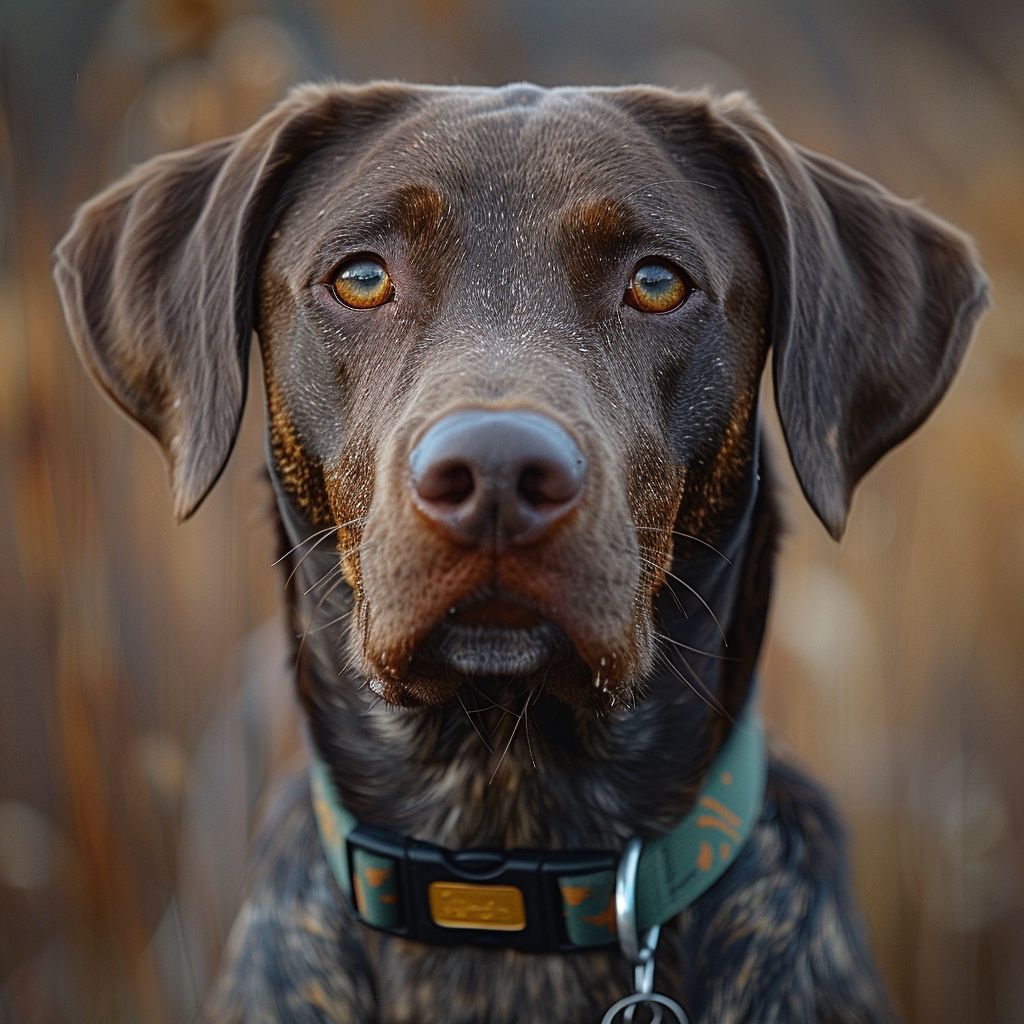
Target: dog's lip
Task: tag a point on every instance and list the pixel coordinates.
(497, 650)
(493, 634)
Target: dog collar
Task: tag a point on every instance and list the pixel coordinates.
(552, 900)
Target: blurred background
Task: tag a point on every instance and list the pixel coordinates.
(145, 706)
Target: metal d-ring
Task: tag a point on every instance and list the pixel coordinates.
(625, 900)
(637, 948)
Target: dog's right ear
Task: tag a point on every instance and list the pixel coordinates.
(157, 274)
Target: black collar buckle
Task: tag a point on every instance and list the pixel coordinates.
(506, 899)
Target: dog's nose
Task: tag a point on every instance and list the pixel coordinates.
(496, 477)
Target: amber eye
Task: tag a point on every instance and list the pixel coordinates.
(363, 283)
(656, 287)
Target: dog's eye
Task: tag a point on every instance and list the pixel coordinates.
(656, 287)
(363, 283)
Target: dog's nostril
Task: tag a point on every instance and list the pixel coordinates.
(449, 483)
(496, 477)
(531, 485)
(548, 484)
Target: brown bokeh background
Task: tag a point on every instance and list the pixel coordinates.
(144, 701)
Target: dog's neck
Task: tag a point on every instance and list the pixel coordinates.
(506, 765)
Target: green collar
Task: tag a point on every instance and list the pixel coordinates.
(546, 900)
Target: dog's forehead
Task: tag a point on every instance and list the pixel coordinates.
(513, 136)
(558, 137)
(483, 147)
(517, 160)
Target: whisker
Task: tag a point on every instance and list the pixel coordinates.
(689, 536)
(515, 729)
(672, 594)
(326, 531)
(476, 728)
(707, 689)
(330, 530)
(319, 533)
(537, 690)
(475, 693)
(529, 745)
(302, 643)
(711, 701)
(342, 555)
(503, 753)
(297, 565)
(330, 572)
(695, 650)
(480, 711)
(349, 663)
(695, 593)
(333, 622)
(704, 686)
(490, 700)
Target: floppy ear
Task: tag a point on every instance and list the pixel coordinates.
(873, 304)
(157, 273)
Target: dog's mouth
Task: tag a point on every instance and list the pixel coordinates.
(491, 635)
(490, 642)
(496, 650)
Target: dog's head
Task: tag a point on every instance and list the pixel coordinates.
(512, 343)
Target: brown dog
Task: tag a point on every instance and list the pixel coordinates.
(512, 343)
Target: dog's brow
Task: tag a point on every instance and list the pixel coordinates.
(416, 210)
(417, 213)
(602, 222)
(595, 233)
(411, 210)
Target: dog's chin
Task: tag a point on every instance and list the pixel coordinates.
(495, 659)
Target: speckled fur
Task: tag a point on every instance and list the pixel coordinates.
(511, 220)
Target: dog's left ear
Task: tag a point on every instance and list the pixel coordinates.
(873, 300)
(873, 303)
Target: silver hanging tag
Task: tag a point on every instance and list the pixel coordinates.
(638, 949)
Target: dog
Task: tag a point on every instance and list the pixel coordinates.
(512, 341)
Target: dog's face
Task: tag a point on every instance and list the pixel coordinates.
(503, 237)
(512, 342)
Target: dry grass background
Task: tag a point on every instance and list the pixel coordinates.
(144, 702)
